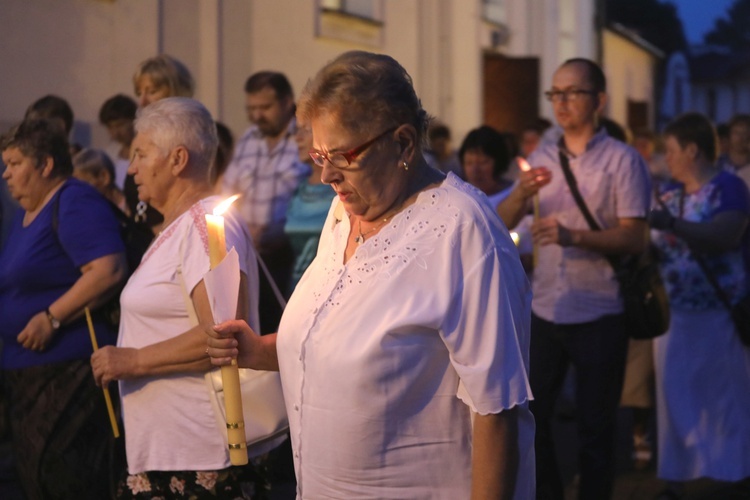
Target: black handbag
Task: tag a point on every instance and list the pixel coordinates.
(641, 286)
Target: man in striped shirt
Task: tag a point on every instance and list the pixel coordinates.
(265, 170)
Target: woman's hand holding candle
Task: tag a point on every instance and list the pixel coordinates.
(229, 374)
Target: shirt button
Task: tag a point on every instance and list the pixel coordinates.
(296, 454)
(296, 408)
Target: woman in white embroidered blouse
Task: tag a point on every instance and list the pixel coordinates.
(414, 312)
(174, 447)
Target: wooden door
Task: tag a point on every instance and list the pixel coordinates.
(510, 92)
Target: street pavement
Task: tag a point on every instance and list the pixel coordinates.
(631, 484)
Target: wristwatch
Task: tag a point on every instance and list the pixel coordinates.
(54, 321)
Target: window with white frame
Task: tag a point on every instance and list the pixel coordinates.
(353, 21)
(366, 9)
(494, 11)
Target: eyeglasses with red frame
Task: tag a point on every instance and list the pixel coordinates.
(342, 159)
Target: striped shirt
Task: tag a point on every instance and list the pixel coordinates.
(266, 179)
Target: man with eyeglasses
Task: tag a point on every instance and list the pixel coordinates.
(265, 170)
(577, 313)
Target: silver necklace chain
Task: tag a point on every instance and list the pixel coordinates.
(361, 236)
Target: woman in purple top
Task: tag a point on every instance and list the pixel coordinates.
(64, 253)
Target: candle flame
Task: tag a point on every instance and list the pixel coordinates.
(224, 205)
(514, 236)
(523, 164)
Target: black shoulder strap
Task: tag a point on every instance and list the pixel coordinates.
(56, 207)
(573, 185)
(723, 297)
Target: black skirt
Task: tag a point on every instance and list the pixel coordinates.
(62, 438)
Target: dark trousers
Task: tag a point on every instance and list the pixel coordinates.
(598, 352)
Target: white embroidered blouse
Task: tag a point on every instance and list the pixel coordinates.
(375, 353)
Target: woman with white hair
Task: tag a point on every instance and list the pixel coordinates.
(173, 445)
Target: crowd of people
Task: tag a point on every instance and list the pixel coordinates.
(440, 299)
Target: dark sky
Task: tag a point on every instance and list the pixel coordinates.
(698, 16)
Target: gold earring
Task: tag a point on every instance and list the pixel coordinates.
(406, 166)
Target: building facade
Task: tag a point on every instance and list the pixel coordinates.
(631, 65)
(472, 61)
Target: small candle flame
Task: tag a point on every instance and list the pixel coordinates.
(514, 236)
(523, 164)
(224, 205)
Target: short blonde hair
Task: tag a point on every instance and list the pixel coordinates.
(166, 71)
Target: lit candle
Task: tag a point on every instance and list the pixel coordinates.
(524, 165)
(516, 239)
(230, 375)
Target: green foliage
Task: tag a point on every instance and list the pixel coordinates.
(655, 21)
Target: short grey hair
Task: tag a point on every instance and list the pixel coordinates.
(180, 121)
(94, 161)
(366, 92)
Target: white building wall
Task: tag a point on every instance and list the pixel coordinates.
(82, 50)
(522, 28)
(726, 101)
(87, 50)
(676, 95)
(434, 67)
(556, 30)
(465, 90)
(630, 71)
(236, 40)
(730, 99)
(587, 39)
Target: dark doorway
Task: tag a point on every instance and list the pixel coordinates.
(638, 115)
(510, 92)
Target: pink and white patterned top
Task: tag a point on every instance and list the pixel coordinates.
(169, 420)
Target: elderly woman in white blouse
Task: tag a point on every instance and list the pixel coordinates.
(414, 313)
(174, 447)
